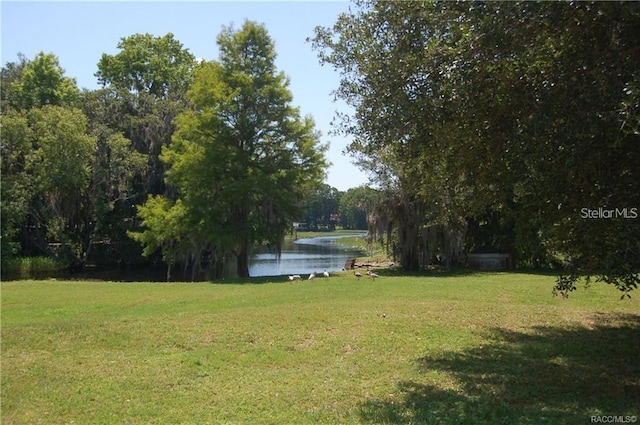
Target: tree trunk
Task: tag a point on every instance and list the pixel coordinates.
(243, 259)
(409, 259)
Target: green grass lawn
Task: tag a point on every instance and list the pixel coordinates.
(492, 348)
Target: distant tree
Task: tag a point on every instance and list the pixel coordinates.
(34, 83)
(43, 83)
(242, 159)
(59, 167)
(321, 207)
(61, 172)
(16, 187)
(38, 129)
(120, 172)
(167, 229)
(115, 170)
(145, 88)
(355, 205)
(11, 77)
(158, 66)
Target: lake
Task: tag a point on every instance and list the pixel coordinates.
(304, 256)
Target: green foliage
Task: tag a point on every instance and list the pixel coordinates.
(116, 166)
(242, 158)
(60, 167)
(43, 83)
(47, 164)
(30, 267)
(321, 208)
(525, 111)
(11, 76)
(159, 66)
(16, 186)
(355, 205)
(62, 175)
(55, 173)
(145, 86)
(166, 228)
(63, 156)
(163, 220)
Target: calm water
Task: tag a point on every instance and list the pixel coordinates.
(303, 257)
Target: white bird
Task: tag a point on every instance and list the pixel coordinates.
(357, 274)
(373, 275)
(326, 273)
(295, 277)
(312, 275)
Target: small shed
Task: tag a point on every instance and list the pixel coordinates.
(488, 258)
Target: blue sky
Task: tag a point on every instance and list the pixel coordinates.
(78, 33)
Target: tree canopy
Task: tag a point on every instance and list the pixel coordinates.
(241, 159)
(159, 66)
(507, 126)
(35, 83)
(515, 115)
(76, 166)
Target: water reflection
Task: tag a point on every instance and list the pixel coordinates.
(303, 256)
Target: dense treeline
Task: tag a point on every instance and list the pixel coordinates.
(194, 162)
(510, 125)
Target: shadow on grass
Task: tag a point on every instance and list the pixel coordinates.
(142, 273)
(441, 272)
(547, 375)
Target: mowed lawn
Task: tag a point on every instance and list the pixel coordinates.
(443, 349)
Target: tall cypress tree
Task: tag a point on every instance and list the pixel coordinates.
(242, 158)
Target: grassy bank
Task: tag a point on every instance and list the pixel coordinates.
(30, 267)
(448, 349)
(309, 234)
(352, 239)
